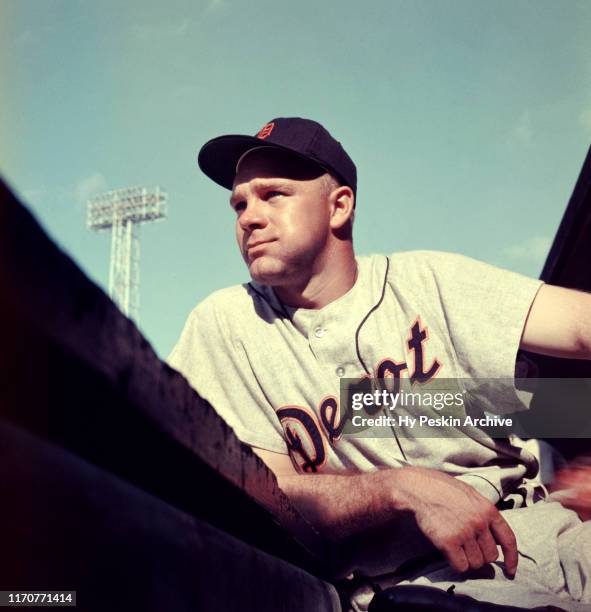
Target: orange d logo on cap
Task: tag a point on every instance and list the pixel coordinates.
(265, 131)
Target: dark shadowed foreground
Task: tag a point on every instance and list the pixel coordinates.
(118, 480)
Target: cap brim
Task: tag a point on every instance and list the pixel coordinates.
(218, 157)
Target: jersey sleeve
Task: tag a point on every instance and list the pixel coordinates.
(482, 310)
(216, 367)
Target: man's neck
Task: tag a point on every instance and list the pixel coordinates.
(337, 276)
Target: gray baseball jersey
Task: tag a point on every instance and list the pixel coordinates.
(273, 372)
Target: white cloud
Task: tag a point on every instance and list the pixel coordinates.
(32, 196)
(534, 248)
(215, 4)
(522, 132)
(89, 186)
(151, 32)
(25, 37)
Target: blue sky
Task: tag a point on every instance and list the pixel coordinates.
(468, 121)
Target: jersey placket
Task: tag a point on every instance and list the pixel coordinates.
(334, 350)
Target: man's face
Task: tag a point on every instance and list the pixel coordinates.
(282, 217)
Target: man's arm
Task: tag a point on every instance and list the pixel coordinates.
(559, 323)
(459, 522)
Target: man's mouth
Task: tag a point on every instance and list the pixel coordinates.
(257, 243)
(256, 247)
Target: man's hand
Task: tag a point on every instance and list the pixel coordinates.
(572, 488)
(458, 521)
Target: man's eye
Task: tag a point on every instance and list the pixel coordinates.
(239, 206)
(273, 194)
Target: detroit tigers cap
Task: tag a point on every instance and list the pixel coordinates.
(306, 138)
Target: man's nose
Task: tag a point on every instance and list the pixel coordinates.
(253, 216)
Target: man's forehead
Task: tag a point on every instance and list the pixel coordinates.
(275, 164)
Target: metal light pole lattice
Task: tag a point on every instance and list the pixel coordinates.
(122, 211)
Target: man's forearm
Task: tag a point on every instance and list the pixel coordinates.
(457, 519)
(342, 505)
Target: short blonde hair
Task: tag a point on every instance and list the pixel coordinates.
(330, 183)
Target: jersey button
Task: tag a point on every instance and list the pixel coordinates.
(319, 332)
(340, 371)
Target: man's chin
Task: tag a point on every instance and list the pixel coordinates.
(265, 272)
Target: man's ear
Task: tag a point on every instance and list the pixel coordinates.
(342, 203)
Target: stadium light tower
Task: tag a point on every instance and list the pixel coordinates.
(122, 211)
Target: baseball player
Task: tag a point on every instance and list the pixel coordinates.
(269, 355)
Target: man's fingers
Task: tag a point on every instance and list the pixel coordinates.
(504, 535)
(473, 554)
(457, 559)
(488, 546)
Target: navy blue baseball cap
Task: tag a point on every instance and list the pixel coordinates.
(219, 157)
